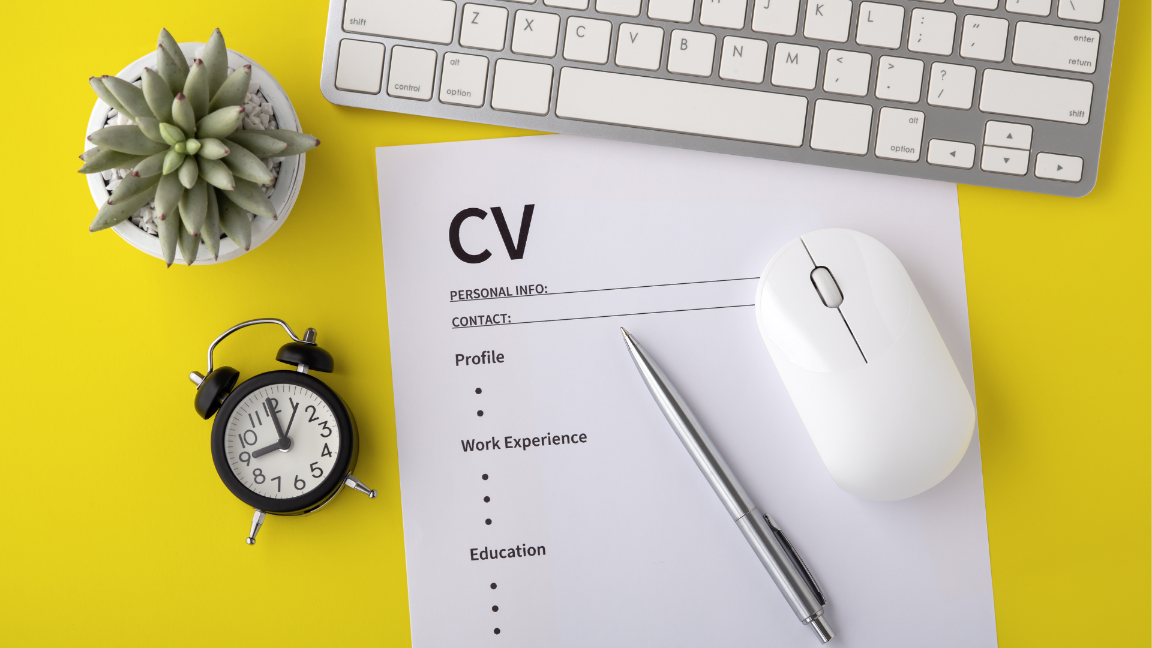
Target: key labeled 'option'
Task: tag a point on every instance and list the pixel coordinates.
(899, 134)
(463, 79)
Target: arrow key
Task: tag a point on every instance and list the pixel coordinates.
(1017, 136)
(1004, 160)
(1068, 168)
(951, 154)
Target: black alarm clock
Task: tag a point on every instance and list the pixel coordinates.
(283, 442)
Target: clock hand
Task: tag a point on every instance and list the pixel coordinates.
(288, 429)
(275, 419)
(256, 454)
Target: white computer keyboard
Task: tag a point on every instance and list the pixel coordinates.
(1003, 93)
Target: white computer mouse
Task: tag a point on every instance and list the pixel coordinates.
(864, 364)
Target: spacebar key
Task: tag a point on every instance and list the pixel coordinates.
(681, 107)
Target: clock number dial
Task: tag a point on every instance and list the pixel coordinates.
(265, 445)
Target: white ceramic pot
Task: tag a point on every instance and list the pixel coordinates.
(287, 182)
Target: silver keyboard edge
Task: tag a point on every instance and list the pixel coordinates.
(968, 125)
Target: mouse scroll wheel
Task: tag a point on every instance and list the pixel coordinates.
(827, 287)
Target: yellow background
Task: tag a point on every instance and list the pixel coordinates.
(116, 530)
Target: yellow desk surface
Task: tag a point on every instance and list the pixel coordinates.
(117, 531)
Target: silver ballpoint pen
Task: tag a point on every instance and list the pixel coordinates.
(780, 559)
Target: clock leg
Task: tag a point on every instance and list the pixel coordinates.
(356, 484)
(257, 522)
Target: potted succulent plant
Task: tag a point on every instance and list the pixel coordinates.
(182, 153)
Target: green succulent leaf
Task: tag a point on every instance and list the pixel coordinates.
(210, 232)
(168, 194)
(172, 161)
(189, 172)
(234, 221)
(192, 147)
(234, 89)
(173, 135)
(170, 71)
(184, 115)
(194, 206)
(189, 245)
(106, 95)
(245, 164)
(250, 196)
(216, 60)
(217, 174)
(172, 48)
(129, 96)
(297, 142)
(180, 147)
(126, 139)
(168, 226)
(196, 89)
(212, 149)
(157, 94)
(262, 146)
(101, 159)
(132, 186)
(110, 214)
(151, 129)
(221, 123)
(151, 165)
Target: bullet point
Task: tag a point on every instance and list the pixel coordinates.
(487, 499)
(496, 631)
(479, 412)
(488, 521)
(495, 608)
(484, 476)
(477, 390)
(493, 586)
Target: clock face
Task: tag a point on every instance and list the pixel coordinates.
(290, 461)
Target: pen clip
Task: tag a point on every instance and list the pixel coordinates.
(796, 559)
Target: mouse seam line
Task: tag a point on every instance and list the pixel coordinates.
(850, 332)
(808, 252)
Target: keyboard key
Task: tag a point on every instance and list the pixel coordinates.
(639, 46)
(847, 72)
(671, 10)
(1084, 11)
(827, 20)
(880, 25)
(841, 127)
(723, 13)
(535, 33)
(420, 20)
(580, 5)
(411, 72)
(1039, 97)
(524, 1)
(1002, 160)
(1003, 134)
(984, 38)
(691, 52)
(743, 59)
(681, 107)
(899, 79)
(978, 4)
(463, 79)
(359, 66)
(518, 86)
(619, 7)
(932, 32)
(899, 134)
(483, 27)
(587, 40)
(951, 154)
(951, 85)
(1030, 7)
(794, 66)
(1068, 168)
(775, 16)
(1055, 48)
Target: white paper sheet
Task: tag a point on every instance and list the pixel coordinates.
(637, 550)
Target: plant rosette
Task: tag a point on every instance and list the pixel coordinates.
(288, 171)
